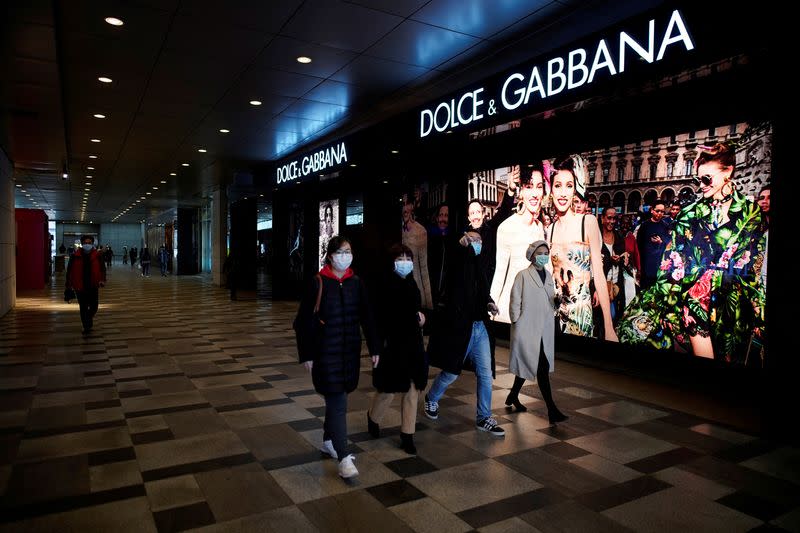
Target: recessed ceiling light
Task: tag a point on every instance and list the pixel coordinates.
(88, 176)
(304, 60)
(89, 168)
(92, 157)
(163, 181)
(104, 79)
(18, 185)
(149, 193)
(352, 164)
(114, 21)
(223, 130)
(202, 150)
(155, 188)
(255, 102)
(95, 140)
(395, 152)
(88, 183)
(98, 115)
(172, 174)
(141, 197)
(86, 189)
(184, 164)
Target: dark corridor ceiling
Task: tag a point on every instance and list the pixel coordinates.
(183, 70)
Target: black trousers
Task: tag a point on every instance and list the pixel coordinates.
(88, 302)
(335, 425)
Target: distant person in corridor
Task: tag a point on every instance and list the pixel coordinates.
(86, 273)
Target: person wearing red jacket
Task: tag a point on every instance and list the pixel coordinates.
(86, 273)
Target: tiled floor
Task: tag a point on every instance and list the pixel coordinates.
(186, 410)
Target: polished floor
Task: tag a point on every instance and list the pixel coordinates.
(185, 410)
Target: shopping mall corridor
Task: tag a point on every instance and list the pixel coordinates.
(185, 410)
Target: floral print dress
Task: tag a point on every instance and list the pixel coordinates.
(709, 284)
(572, 274)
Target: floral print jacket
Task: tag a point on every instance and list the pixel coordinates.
(709, 284)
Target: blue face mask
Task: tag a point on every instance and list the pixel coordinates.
(403, 268)
(477, 247)
(542, 260)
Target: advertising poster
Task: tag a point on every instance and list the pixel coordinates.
(295, 244)
(328, 226)
(660, 242)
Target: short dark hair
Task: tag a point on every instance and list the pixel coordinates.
(605, 209)
(475, 201)
(400, 249)
(656, 202)
(336, 242)
(84, 237)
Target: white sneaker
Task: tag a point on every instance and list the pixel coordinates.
(327, 447)
(346, 467)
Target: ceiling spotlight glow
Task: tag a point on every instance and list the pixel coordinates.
(155, 188)
(95, 140)
(255, 102)
(184, 164)
(202, 150)
(89, 168)
(223, 130)
(163, 181)
(92, 157)
(114, 21)
(99, 115)
(172, 174)
(104, 79)
(304, 60)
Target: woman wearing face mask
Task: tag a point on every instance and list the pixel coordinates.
(403, 368)
(575, 245)
(331, 350)
(513, 237)
(532, 329)
(708, 297)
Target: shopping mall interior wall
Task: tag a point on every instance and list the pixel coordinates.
(8, 284)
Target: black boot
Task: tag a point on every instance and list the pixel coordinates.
(407, 443)
(374, 429)
(513, 400)
(555, 416)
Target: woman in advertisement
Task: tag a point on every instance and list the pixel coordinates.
(513, 237)
(404, 367)
(708, 296)
(532, 331)
(576, 254)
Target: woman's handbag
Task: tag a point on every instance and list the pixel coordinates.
(308, 331)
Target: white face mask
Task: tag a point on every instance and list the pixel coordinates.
(341, 262)
(403, 268)
(87, 248)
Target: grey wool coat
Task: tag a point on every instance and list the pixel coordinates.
(532, 316)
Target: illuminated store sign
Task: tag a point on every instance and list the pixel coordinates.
(316, 162)
(563, 73)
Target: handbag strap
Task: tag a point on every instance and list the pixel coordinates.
(319, 294)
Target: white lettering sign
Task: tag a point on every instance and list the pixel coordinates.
(558, 74)
(317, 162)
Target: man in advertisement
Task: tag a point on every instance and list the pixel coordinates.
(652, 240)
(615, 262)
(416, 237)
(86, 273)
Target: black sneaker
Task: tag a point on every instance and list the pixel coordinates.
(490, 426)
(431, 409)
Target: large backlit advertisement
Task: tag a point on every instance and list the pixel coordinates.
(328, 226)
(661, 242)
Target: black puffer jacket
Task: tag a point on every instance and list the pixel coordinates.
(403, 357)
(334, 344)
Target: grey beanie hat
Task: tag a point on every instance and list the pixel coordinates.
(532, 248)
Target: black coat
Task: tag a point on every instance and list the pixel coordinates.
(334, 344)
(467, 301)
(403, 357)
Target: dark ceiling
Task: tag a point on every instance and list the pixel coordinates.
(184, 70)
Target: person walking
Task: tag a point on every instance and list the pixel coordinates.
(328, 324)
(86, 274)
(145, 261)
(404, 367)
(163, 258)
(532, 308)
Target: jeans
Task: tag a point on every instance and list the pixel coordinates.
(335, 425)
(480, 353)
(164, 268)
(88, 303)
